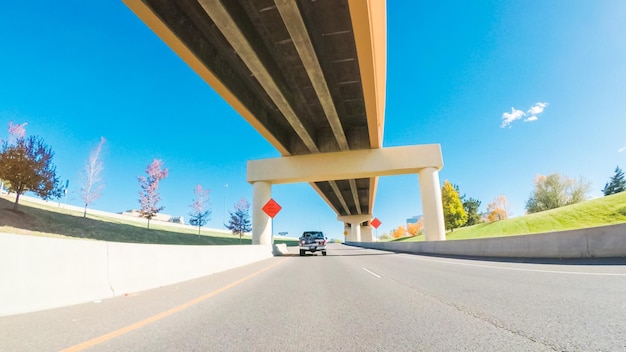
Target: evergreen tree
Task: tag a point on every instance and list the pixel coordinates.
(617, 183)
(471, 206)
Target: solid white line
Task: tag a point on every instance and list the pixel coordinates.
(372, 273)
(519, 269)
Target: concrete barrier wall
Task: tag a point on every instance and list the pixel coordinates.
(597, 242)
(39, 273)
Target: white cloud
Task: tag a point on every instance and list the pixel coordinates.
(621, 149)
(531, 119)
(537, 109)
(532, 113)
(507, 118)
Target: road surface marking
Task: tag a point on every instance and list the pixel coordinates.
(166, 313)
(372, 273)
(520, 269)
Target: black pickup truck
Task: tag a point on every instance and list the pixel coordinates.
(312, 241)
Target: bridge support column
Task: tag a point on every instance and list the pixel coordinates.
(356, 232)
(366, 234)
(355, 225)
(261, 222)
(348, 232)
(434, 226)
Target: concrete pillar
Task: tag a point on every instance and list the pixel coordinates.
(356, 232)
(261, 222)
(434, 226)
(355, 223)
(366, 234)
(348, 231)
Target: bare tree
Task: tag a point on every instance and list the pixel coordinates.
(92, 182)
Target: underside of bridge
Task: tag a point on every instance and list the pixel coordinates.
(309, 75)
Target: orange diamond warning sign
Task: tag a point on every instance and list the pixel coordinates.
(271, 208)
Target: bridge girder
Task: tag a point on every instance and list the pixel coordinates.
(308, 75)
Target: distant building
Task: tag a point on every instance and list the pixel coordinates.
(177, 219)
(414, 219)
(158, 217)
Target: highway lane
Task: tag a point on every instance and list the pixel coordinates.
(351, 300)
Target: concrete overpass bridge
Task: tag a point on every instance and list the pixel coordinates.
(310, 76)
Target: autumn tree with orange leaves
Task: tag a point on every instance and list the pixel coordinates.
(498, 209)
(399, 232)
(416, 228)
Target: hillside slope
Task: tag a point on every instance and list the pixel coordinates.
(596, 212)
(52, 221)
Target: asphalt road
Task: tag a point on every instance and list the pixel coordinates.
(351, 300)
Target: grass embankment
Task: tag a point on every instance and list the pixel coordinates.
(53, 221)
(596, 212)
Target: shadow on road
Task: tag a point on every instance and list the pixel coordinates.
(336, 250)
(336, 253)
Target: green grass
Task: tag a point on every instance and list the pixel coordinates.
(52, 221)
(596, 212)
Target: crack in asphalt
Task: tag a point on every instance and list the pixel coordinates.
(484, 318)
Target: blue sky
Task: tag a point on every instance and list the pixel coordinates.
(456, 72)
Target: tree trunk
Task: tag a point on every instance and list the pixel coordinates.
(148, 223)
(17, 199)
(85, 212)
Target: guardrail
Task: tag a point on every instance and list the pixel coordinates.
(595, 242)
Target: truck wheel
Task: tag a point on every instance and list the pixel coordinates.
(301, 252)
(324, 253)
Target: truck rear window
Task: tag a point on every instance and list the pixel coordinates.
(314, 234)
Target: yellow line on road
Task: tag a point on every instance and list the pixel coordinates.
(165, 314)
